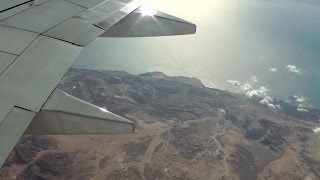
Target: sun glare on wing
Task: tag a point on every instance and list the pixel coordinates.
(103, 109)
(147, 11)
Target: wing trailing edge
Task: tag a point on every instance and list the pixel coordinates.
(64, 114)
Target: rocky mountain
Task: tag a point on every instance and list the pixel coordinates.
(184, 131)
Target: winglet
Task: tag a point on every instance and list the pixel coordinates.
(146, 23)
(65, 114)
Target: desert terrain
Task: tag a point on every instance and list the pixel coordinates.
(184, 130)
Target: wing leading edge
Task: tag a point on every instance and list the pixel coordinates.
(39, 40)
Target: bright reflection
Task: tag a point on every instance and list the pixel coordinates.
(317, 130)
(147, 11)
(103, 109)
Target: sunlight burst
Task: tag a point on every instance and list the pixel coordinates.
(147, 11)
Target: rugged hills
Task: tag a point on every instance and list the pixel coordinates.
(184, 131)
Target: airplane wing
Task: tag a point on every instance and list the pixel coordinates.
(39, 40)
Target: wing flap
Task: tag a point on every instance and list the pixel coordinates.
(65, 114)
(76, 31)
(5, 60)
(11, 129)
(14, 40)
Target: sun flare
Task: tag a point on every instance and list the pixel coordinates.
(146, 10)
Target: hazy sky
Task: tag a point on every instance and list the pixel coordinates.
(235, 40)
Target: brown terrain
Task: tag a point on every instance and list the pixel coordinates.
(184, 130)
